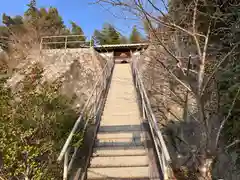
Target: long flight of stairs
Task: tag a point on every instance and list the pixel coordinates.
(120, 148)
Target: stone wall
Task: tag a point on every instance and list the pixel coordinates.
(77, 69)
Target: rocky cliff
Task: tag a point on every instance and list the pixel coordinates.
(76, 69)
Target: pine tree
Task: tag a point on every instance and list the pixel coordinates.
(98, 37)
(32, 10)
(77, 30)
(53, 21)
(7, 20)
(108, 35)
(105, 34)
(79, 40)
(17, 20)
(135, 36)
(113, 35)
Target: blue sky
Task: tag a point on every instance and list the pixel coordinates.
(88, 16)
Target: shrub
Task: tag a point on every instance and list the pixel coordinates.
(33, 127)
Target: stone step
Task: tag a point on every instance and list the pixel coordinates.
(121, 114)
(136, 173)
(120, 135)
(119, 151)
(120, 105)
(119, 121)
(118, 127)
(111, 139)
(119, 141)
(123, 96)
(134, 151)
(119, 161)
(119, 117)
(112, 144)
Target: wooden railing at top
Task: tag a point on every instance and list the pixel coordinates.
(64, 40)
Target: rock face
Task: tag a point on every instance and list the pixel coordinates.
(77, 69)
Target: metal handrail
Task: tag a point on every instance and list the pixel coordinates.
(91, 110)
(159, 143)
(64, 42)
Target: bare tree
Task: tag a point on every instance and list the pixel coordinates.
(195, 81)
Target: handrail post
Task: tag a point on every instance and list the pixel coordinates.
(143, 108)
(91, 42)
(65, 168)
(95, 106)
(66, 38)
(41, 44)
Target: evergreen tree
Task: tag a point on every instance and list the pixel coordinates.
(113, 35)
(135, 36)
(39, 21)
(7, 20)
(108, 35)
(12, 24)
(12, 21)
(43, 12)
(32, 11)
(52, 21)
(18, 20)
(77, 30)
(98, 37)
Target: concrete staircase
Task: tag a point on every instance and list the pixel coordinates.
(120, 149)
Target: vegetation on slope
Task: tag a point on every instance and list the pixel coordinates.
(33, 126)
(35, 118)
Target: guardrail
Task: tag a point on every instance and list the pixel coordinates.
(64, 42)
(159, 144)
(88, 116)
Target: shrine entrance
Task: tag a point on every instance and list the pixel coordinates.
(121, 53)
(122, 56)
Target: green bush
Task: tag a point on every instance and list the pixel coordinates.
(33, 127)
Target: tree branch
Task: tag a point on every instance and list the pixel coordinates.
(141, 10)
(233, 143)
(225, 120)
(173, 75)
(194, 29)
(217, 67)
(202, 61)
(179, 63)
